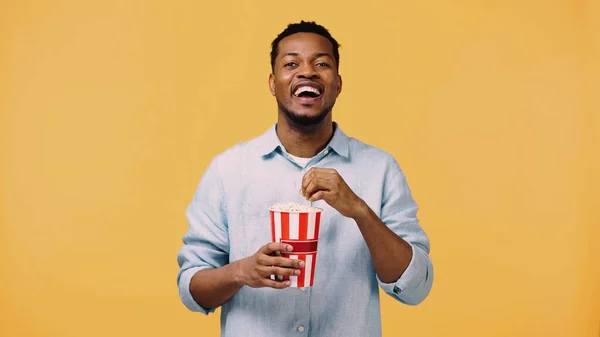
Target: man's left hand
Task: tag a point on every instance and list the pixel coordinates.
(327, 184)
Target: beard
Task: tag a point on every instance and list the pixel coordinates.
(303, 120)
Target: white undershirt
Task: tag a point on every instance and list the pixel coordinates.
(300, 160)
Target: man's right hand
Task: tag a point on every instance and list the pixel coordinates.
(255, 271)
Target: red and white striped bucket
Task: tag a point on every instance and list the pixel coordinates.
(301, 230)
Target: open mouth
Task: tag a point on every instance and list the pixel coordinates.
(307, 90)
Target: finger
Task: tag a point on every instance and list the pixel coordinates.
(317, 184)
(306, 180)
(319, 195)
(288, 263)
(266, 260)
(275, 284)
(275, 247)
(322, 171)
(326, 175)
(267, 271)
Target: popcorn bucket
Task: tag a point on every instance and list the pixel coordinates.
(298, 226)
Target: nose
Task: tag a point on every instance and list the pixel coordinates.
(307, 71)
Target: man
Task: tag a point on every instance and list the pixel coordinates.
(369, 234)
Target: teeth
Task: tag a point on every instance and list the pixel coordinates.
(306, 89)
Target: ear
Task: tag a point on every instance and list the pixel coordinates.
(339, 84)
(272, 84)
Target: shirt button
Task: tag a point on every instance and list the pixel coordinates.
(326, 152)
(301, 328)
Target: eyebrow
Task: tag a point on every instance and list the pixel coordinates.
(315, 54)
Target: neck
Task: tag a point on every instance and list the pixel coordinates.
(304, 141)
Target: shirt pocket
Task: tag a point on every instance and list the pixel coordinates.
(256, 207)
(254, 231)
(256, 199)
(254, 227)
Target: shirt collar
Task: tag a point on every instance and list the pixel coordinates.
(269, 141)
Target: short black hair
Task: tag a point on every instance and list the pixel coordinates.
(304, 27)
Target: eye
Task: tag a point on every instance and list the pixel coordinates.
(323, 64)
(290, 64)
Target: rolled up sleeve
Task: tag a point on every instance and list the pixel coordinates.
(399, 213)
(206, 243)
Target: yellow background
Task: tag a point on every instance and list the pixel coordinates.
(111, 111)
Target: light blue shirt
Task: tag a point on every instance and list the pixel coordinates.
(229, 220)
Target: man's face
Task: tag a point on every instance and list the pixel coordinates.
(305, 81)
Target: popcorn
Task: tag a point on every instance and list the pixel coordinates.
(293, 207)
